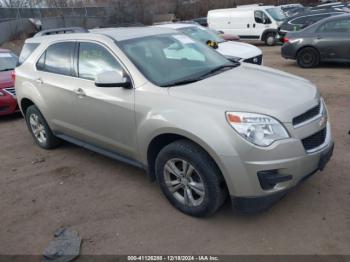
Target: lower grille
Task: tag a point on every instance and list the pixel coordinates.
(254, 60)
(10, 90)
(315, 140)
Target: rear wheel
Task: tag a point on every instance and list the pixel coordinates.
(39, 129)
(308, 57)
(190, 179)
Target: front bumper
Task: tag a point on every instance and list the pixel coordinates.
(256, 204)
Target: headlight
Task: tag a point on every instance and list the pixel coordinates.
(260, 130)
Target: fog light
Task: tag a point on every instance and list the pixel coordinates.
(270, 178)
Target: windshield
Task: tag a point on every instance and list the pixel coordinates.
(8, 61)
(276, 13)
(201, 34)
(172, 58)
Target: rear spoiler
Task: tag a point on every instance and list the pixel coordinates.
(63, 30)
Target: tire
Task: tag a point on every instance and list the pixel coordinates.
(205, 187)
(270, 39)
(40, 130)
(308, 57)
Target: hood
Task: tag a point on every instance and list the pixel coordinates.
(255, 89)
(238, 49)
(6, 79)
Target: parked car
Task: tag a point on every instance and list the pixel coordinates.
(227, 37)
(201, 21)
(235, 51)
(292, 9)
(201, 125)
(252, 22)
(8, 101)
(327, 40)
(303, 20)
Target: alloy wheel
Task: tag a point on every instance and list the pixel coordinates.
(38, 128)
(184, 182)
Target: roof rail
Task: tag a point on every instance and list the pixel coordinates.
(63, 30)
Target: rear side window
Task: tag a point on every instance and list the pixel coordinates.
(27, 50)
(57, 59)
(337, 26)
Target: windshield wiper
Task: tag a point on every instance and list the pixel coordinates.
(6, 69)
(182, 82)
(219, 69)
(207, 74)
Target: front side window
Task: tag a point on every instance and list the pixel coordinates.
(172, 58)
(57, 59)
(95, 59)
(261, 18)
(337, 26)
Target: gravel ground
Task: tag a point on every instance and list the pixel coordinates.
(117, 211)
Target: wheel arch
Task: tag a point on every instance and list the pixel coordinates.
(24, 104)
(267, 31)
(308, 46)
(161, 140)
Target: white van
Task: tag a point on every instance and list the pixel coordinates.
(251, 22)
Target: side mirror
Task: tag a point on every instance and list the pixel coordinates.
(112, 79)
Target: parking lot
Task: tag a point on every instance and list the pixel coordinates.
(118, 211)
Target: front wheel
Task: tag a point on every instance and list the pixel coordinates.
(190, 179)
(270, 39)
(39, 129)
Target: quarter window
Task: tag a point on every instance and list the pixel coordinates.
(94, 59)
(57, 59)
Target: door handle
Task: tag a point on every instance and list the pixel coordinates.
(254, 25)
(39, 81)
(248, 25)
(79, 92)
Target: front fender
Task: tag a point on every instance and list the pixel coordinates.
(212, 133)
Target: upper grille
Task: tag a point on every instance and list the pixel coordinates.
(254, 60)
(10, 90)
(307, 115)
(315, 140)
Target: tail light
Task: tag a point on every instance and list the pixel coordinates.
(13, 75)
(285, 40)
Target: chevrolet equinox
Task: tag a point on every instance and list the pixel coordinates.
(204, 127)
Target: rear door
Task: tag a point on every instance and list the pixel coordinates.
(333, 40)
(53, 79)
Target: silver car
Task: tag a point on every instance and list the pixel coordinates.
(204, 127)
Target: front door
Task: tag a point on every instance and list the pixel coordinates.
(105, 116)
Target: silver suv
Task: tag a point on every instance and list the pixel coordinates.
(202, 126)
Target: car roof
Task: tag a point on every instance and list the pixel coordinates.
(118, 34)
(334, 17)
(331, 18)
